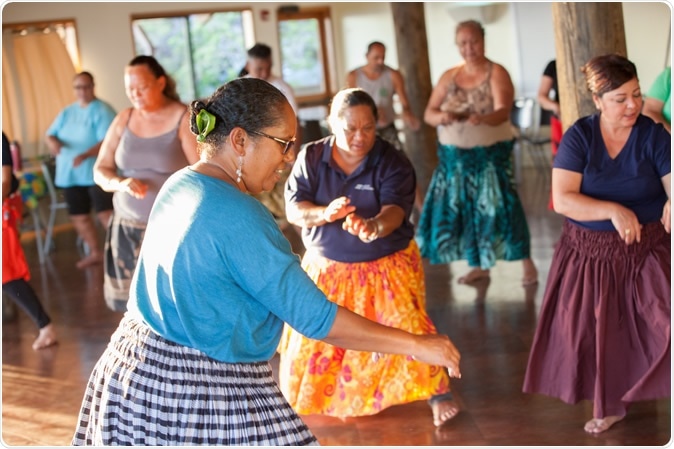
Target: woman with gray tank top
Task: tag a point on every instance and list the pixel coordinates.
(144, 145)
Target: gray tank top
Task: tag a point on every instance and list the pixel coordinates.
(381, 90)
(151, 160)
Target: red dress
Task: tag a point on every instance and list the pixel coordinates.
(14, 264)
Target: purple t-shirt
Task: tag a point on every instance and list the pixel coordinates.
(386, 176)
(632, 179)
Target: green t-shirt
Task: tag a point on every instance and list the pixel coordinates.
(661, 90)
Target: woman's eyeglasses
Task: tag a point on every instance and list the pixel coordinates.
(287, 144)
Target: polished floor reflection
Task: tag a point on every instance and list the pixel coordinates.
(492, 323)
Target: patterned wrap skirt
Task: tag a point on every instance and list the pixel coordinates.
(472, 210)
(122, 247)
(146, 390)
(318, 378)
(604, 332)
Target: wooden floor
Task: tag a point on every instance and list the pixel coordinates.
(492, 324)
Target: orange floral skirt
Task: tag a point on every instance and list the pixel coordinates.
(318, 378)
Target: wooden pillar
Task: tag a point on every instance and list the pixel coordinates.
(413, 64)
(582, 31)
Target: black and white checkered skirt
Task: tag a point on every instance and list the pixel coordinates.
(146, 390)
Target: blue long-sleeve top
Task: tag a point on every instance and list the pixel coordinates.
(216, 273)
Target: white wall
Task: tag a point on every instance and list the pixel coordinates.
(519, 35)
(647, 28)
(536, 44)
(356, 25)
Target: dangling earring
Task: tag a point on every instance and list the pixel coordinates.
(239, 172)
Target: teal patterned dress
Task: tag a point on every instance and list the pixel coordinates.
(472, 211)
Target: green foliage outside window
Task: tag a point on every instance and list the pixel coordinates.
(301, 55)
(200, 51)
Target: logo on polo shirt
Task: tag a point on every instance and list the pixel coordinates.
(364, 187)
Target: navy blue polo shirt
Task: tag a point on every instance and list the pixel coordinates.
(385, 177)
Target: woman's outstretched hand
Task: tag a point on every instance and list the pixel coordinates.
(438, 349)
(352, 331)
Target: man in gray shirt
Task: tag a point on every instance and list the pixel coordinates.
(382, 82)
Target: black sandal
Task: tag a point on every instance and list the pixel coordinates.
(444, 397)
(441, 398)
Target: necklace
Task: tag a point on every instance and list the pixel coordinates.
(221, 168)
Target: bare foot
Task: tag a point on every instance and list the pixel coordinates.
(91, 259)
(473, 275)
(443, 408)
(530, 273)
(46, 338)
(598, 425)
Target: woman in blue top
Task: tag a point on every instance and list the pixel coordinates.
(215, 281)
(604, 327)
(75, 138)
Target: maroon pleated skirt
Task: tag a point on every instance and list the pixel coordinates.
(603, 332)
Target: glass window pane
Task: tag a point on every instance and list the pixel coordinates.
(218, 49)
(301, 58)
(166, 40)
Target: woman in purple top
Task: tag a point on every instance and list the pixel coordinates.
(352, 193)
(604, 328)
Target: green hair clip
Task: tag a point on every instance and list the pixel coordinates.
(205, 124)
